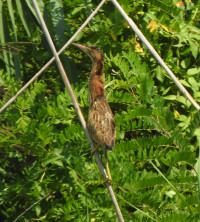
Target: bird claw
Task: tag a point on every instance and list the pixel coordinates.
(109, 180)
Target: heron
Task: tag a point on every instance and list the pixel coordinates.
(100, 124)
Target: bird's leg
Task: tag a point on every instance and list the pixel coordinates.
(94, 150)
(107, 166)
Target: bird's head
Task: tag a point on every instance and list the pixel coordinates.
(91, 51)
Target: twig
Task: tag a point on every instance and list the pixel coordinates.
(27, 209)
(155, 54)
(138, 209)
(53, 59)
(77, 108)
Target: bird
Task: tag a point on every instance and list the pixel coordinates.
(100, 124)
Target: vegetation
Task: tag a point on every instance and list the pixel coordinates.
(43, 148)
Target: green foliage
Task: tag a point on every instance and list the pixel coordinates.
(43, 148)
(26, 36)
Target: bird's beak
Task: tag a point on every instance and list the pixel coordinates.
(82, 47)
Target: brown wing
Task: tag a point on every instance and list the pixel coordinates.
(101, 124)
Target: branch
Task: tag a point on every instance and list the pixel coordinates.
(27, 209)
(77, 108)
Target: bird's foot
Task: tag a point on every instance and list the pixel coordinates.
(108, 170)
(108, 180)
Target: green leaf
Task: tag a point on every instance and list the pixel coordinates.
(38, 210)
(186, 63)
(194, 47)
(170, 97)
(58, 21)
(170, 194)
(194, 84)
(184, 83)
(160, 73)
(183, 100)
(77, 10)
(193, 71)
(166, 90)
(40, 4)
(196, 95)
(3, 34)
(23, 122)
(53, 160)
(197, 132)
(22, 17)
(11, 12)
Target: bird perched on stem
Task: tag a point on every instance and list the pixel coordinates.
(101, 123)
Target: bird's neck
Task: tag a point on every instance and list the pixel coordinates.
(96, 83)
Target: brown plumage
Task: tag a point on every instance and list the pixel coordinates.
(100, 124)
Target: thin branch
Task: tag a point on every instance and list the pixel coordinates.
(53, 59)
(138, 209)
(77, 108)
(27, 209)
(155, 54)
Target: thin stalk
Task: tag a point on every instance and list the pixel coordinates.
(77, 108)
(27, 209)
(155, 54)
(138, 209)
